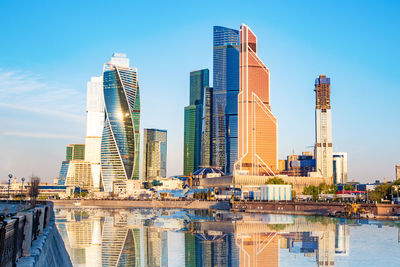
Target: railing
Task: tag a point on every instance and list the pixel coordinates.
(17, 231)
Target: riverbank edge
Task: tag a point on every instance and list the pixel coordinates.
(47, 250)
(297, 208)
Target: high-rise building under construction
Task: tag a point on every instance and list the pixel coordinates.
(323, 127)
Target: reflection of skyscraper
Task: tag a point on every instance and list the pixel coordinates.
(193, 121)
(323, 127)
(120, 142)
(225, 93)
(94, 126)
(154, 154)
(258, 249)
(342, 240)
(155, 247)
(258, 136)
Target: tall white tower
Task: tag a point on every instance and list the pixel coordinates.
(94, 126)
(323, 127)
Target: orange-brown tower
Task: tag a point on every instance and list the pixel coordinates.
(258, 136)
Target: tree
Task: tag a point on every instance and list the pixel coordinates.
(324, 188)
(275, 180)
(349, 187)
(34, 189)
(382, 191)
(311, 190)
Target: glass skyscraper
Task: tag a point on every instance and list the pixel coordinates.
(155, 154)
(75, 152)
(206, 129)
(119, 145)
(225, 98)
(258, 127)
(193, 121)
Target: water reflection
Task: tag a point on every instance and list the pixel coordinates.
(147, 237)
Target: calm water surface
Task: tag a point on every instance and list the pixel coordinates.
(149, 237)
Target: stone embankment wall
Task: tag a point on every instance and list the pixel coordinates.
(195, 204)
(48, 249)
(313, 207)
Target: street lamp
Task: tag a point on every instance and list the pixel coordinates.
(22, 188)
(10, 176)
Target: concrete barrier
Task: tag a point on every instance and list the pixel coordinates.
(26, 244)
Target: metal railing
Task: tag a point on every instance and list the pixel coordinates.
(12, 233)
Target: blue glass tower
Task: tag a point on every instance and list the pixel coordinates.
(225, 98)
(119, 150)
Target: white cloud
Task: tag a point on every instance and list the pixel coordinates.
(27, 92)
(42, 135)
(44, 111)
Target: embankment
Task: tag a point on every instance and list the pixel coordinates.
(169, 204)
(379, 211)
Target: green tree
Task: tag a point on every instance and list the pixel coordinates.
(349, 187)
(275, 180)
(311, 190)
(382, 191)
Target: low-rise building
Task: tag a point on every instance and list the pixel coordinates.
(273, 192)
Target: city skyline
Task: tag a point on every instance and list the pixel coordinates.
(27, 138)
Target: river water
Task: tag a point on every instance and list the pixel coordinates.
(150, 237)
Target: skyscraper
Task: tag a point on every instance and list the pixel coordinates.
(258, 135)
(206, 129)
(225, 93)
(323, 127)
(339, 168)
(189, 139)
(94, 126)
(120, 144)
(193, 120)
(75, 152)
(154, 154)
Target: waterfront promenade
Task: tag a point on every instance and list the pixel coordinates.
(29, 237)
(374, 211)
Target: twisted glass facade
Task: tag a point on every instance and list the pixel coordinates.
(225, 93)
(119, 146)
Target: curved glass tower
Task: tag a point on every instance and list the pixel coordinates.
(119, 144)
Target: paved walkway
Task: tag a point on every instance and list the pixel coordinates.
(12, 208)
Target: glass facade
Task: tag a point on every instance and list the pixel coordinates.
(75, 152)
(206, 128)
(225, 95)
(119, 146)
(155, 154)
(199, 80)
(189, 139)
(258, 137)
(63, 172)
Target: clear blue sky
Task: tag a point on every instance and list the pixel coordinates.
(50, 49)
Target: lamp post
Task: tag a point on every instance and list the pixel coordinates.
(10, 176)
(22, 188)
